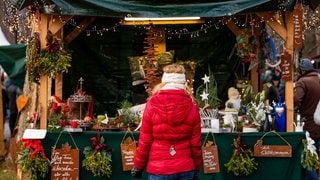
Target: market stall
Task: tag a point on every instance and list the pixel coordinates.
(267, 168)
(50, 29)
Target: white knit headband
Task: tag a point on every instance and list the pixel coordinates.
(179, 78)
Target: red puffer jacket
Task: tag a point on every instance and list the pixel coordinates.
(171, 120)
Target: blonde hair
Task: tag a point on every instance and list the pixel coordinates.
(172, 68)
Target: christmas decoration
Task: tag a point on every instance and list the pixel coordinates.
(309, 156)
(153, 76)
(247, 45)
(50, 61)
(242, 162)
(207, 93)
(98, 157)
(33, 159)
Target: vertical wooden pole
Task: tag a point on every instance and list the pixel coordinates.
(59, 77)
(289, 84)
(44, 83)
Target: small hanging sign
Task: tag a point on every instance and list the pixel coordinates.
(210, 157)
(261, 150)
(65, 163)
(298, 24)
(128, 151)
(286, 67)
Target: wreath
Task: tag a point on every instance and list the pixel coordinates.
(98, 157)
(52, 60)
(247, 45)
(242, 162)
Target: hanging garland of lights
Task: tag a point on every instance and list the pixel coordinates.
(20, 22)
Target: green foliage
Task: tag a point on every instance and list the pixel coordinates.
(128, 115)
(98, 162)
(308, 159)
(242, 162)
(38, 166)
(54, 122)
(53, 63)
(212, 90)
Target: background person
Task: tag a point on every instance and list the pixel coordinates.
(306, 98)
(170, 136)
(13, 91)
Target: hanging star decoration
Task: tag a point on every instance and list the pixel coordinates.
(206, 79)
(204, 95)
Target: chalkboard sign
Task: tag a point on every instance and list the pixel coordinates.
(210, 159)
(65, 163)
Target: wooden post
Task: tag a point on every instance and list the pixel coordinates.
(44, 83)
(59, 77)
(289, 84)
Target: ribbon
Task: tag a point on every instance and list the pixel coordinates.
(240, 146)
(35, 146)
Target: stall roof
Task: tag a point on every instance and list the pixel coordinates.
(12, 60)
(163, 8)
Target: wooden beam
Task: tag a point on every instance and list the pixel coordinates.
(82, 26)
(274, 24)
(43, 79)
(58, 23)
(289, 84)
(59, 77)
(232, 26)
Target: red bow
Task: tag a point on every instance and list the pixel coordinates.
(35, 146)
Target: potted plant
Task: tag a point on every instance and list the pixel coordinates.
(127, 116)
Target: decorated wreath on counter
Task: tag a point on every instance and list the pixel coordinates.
(98, 157)
(242, 162)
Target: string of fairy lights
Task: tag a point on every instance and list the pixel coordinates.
(20, 22)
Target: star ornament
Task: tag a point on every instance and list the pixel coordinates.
(206, 79)
(204, 96)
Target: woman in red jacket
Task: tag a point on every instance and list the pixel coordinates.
(170, 136)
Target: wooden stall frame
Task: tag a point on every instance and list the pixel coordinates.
(284, 30)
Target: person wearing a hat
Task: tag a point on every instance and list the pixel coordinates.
(306, 98)
(170, 136)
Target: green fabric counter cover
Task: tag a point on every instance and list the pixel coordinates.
(164, 8)
(268, 168)
(13, 61)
